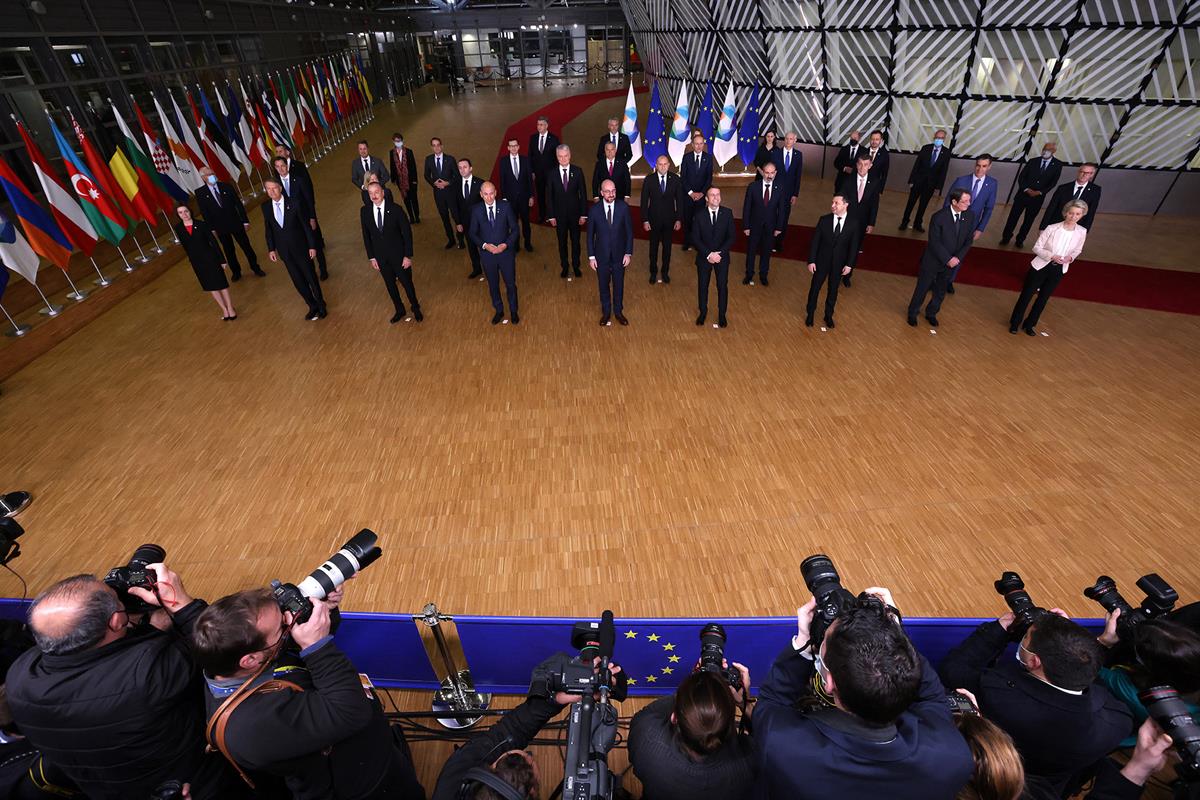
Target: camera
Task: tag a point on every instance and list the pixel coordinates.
(168, 790)
(10, 531)
(136, 574)
(357, 554)
(822, 580)
(1012, 589)
(1160, 598)
(959, 704)
(1168, 709)
(712, 655)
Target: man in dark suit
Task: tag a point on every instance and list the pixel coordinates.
(610, 249)
(1061, 718)
(847, 156)
(763, 212)
(516, 186)
(466, 197)
(696, 173)
(289, 239)
(441, 171)
(295, 166)
(542, 160)
(1037, 178)
(223, 210)
(880, 160)
(789, 163)
(1082, 188)
(951, 234)
(387, 237)
(887, 708)
(611, 168)
(712, 236)
(618, 140)
(367, 163)
(927, 176)
(493, 230)
(403, 165)
(298, 186)
(861, 192)
(831, 254)
(663, 204)
(566, 196)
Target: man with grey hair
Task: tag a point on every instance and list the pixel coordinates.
(112, 706)
(566, 195)
(222, 208)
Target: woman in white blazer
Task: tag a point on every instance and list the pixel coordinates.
(1055, 249)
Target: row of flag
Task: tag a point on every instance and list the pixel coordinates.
(719, 125)
(147, 174)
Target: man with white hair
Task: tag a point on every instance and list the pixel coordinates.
(566, 194)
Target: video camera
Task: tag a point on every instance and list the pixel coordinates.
(168, 790)
(1012, 589)
(136, 574)
(357, 554)
(1160, 599)
(712, 655)
(1168, 709)
(823, 581)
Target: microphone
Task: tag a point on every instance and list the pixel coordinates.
(606, 638)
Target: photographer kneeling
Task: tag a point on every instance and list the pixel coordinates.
(688, 745)
(885, 729)
(285, 701)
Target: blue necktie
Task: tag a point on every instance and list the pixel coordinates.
(936, 151)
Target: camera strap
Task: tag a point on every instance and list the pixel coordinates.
(215, 731)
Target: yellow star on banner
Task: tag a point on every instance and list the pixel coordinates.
(654, 637)
(668, 646)
(651, 679)
(673, 659)
(630, 634)
(632, 681)
(668, 670)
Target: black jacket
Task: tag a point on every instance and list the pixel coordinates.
(516, 190)
(296, 237)
(514, 731)
(668, 773)
(846, 157)
(946, 241)
(831, 252)
(1032, 175)
(392, 244)
(300, 191)
(448, 173)
(620, 178)
(460, 207)
(1058, 734)
(570, 203)
(708, 238)
(756, 214)
(328, 742)
(1062, 195)
(866, 211)
(545, 161)
(659, 208)
(119, 720)
(926, 175)
(225, 217)
(624, 147)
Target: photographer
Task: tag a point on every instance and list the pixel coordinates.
(114, 708)
(1060, 718)
(889, 732)
(285, 701)
(687, 745)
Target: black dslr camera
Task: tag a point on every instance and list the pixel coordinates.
(712, 655)
(1160, 598)
(1012, 589)
(822, 580)
(357, 554)
(136, 574)
(1167, 708)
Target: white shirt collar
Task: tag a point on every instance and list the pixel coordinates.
(840, 217)
(1079, 185)
(381, 205)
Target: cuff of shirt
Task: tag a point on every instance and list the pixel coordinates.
(315, 646)
(803, 649)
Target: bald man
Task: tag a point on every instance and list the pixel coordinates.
(493, 232)
(610, 249)
(113, 707)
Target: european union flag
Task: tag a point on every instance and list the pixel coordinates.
(748, 130)
(705, 120)
(656, 132)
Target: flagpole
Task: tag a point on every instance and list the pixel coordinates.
(143, 257)
(157, 249)
(103, 280)
(50, 310)
(74, 294)
(128, 267)
(18, 330)
(169, 226)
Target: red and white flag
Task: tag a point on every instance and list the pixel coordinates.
(185, 159)
(63, 205)
(218, 161)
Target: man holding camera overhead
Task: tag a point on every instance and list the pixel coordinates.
(880, 725)
(284, 702)
(111, 705)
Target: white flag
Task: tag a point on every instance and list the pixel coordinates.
(680, 134)
(189, 171)
(725, 141)
(18, 256)
(629, 127)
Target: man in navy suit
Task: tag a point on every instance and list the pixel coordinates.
(789, 162)
(663, 207)
(464, 198)
(951, 234)
(610, 249)
(616, 139)
(763, 212)
(881, 160)
(291, 240)
(440, 175)
(712, 236)
(983, 189)
(542, 146)
(885, 729)
(516, 186)
(927, 176)
(696, 172)
(298, 186)
(493, 229)
(1038, 177)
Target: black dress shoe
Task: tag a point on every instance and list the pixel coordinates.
(260, 273)
(231, 319)
(312, 316)
(235, 278)
(1012, 328)
(903, 226)
(416, 222)
(224, 319)
(808, 320)
(919, 228)
(516, 320)
(621, 319)
(746, 281)
(666, 278)
(449, 246)
(653, 279)
(1019, 244)
(1003, 240)
(912, 321)
(1029, 331)
(700, 319)
(322, 313)
(563, 274)
(931, 320)
(324, 275)
(528, 247)
(763, 280)
(845, 280)
(604, 320)
(499, 315)
(399, 315)
(829, 323)
(474, 275)
(949, 288)
(724, 323)
(462, 246)
(417, 315)
(578, 274)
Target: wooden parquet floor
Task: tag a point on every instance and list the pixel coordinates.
(561, 468)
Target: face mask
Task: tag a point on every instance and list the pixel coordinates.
(939, 142)
(1047, 154)
(212, 180)
(398, 142)
(1021, 647)
(853, 142)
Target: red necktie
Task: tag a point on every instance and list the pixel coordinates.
(767, 195)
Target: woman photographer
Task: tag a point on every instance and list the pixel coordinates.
(688, 745)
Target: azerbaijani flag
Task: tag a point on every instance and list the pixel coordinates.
(106, 217)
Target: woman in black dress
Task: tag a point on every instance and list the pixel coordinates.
(208, 261)
(765, 152)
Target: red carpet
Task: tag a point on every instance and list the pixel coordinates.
(1094, 281)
